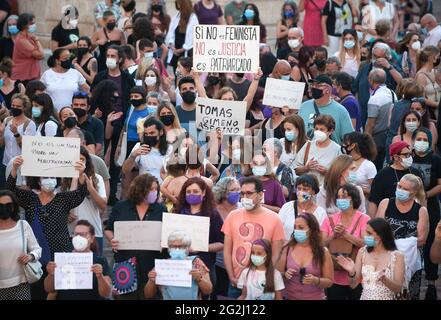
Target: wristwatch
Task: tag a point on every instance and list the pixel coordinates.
(390, 68)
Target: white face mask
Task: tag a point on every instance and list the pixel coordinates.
(416, 46)
(73, 23)
(236, 154)
(247, 203)
(407, 162)
(421, 146)
(150, 81)
(320, 136)
(411, 126)
(111, 63)
(79, 243)
(148, 55)
(293, 43)
(48, 184)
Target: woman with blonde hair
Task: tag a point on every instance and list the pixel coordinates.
(342, 171)
(408, 217)
(427, 60)
(349, 54)
(168, 116)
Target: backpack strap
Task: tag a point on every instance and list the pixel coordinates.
(308, 147)
(331, 222)
(25, 125)
(296, 210)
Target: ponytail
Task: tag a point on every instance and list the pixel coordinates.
(418, 185)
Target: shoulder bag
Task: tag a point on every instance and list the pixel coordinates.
(33, 270)
(121, 157)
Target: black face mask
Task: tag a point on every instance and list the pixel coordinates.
(167, 120)
(436, 62)
(79, 112)
(240, 75)
(321, 64)
(66, 64)
(363, 58)
(15, 112)
(70, 122)
(345, 150)
(81, 52)
(316, 93)
(189, 97)
(151, 140)
(157, 7)
(111, 25)
(6, 211)
(137, 102)
(213, 80)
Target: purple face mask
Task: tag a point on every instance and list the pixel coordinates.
(267, 112)
(151, 197)
(233, 197)
(193, 199)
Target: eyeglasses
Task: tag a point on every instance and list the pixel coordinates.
(407, 155)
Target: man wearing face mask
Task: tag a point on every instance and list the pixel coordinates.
(281, 71)
(379, 107)
(386, 180)
(343, 83)
(66, 34)
(245, 225)
(433, 30)
(187, 110)
(322, 103)
(104, 6)
(295, 43)
(381, 58)
(320, 57)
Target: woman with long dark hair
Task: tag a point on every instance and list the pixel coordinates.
(410, 122)
(293, 140)
(305, 262)
(289, 19)
(408, 48)
(43, 115)
(306, 60)
(251, 17)
(379, 266)
(418, 104)
(84, 61)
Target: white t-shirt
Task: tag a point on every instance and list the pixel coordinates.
(50, 129)
(433, 37)
(324, 156)
(12, 149)
(350, 66)
(62, 86)
(88, 210)
(255, 284)
(372, 13)
(286, 214)
(152, 162)
(366, 171)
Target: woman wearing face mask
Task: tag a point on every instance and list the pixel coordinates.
(408, 48)
(427, 60)
(336, 18)
(307, 187)
(168, 116)
(227, 196)
(13, 254)
(251, 17)
(289, 19)
(215, 81)
(66, 33)
(239, 150)
(84, 61)
(306, 61)
(341, 171)
(47, 213)
(196, 199)
(418, 104)
(379, 266)
(346, 227)
(141, 205)
(411, 121)
(69, 123)
(179, 245)
(61, 80)
(273, 195)
(305, 263)
(272, 126)
(9, 35)
(43, 115)
(349, 53)
(84, 241)
(152, 83)
(429, 163)
(408, 218)
(294, 139)
(361, 147)
(9, 87)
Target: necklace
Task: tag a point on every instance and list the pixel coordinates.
(306, 209)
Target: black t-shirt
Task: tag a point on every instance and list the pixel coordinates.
(339, 18)
(6, 48)
(95, 127)
(64, 37)
(4, 6)
(91, 294)
(386, 181)
(240, 89)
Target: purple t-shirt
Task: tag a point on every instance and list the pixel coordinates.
(208, 16)
(273, 193)
(351, 104)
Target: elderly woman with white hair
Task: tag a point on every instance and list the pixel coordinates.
(273, 148)
(9, 34)
(179, 244)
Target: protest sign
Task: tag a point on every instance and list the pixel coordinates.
(282, 93)
(138, 235)
(196, 227)
(73, 270)
(173, 272)
(226, 48)
(50, 156)
(229, 116)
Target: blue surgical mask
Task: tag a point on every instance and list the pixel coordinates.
(343, 204)
(1, 82)
(258, 260)
(152, 109)
(349, 44)
(249, 14)
(177, 253)
(352, 177)
(285, 77)
(36, 112)
(290, 136)
(402, 195)
(33, 28)
(369, 241)
(300, 235)
(13, 30)
(259, 171)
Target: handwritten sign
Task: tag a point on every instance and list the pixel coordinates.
(50, 156)
(138, 235)
(174, 273)
(229, 116)
(196, 227)
(226, 48)
(282, 93)
(73, 271)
